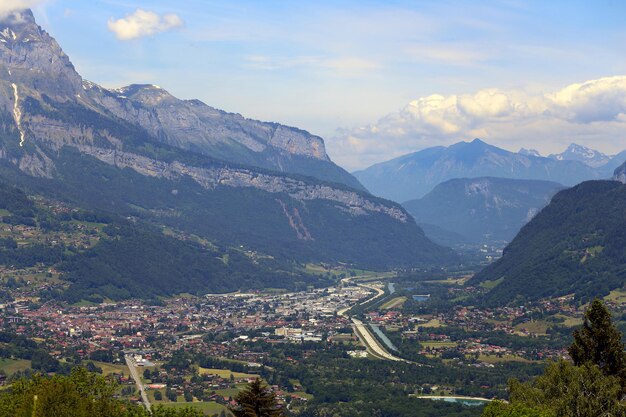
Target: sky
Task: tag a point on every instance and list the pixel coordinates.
(375, 79)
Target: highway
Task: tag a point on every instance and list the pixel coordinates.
(371, 343)
(130, 362)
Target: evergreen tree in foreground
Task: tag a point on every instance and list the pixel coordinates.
(591, 386)
(257, 400)
(599, 342)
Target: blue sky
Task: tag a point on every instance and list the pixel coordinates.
(356, 65)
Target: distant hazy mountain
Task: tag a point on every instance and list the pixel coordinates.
(587, 156)
(613, 164)
(412, 176)
(529, 152)
(576, 245)
(482, 210)
(141, 153)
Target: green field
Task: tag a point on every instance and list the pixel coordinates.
(397, 302)
(434, 323)
(505, 358)
(570, 321)
(539, 327)
(489, 285)
(208, 408)
(451, 280)
(225, 373)
(11, 366)
(617, 296)
(231, 392)
(109, 368)
(437, 344)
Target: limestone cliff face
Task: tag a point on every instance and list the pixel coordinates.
(33, 62)
(213, 177)
(45, 136)
(620, 174)
(196, 126)
(45, 106)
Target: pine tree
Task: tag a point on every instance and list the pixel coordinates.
(599, 342)
(592, 386)
(257, 400)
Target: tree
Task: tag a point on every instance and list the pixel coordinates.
(599, 342)
(160, 411)
(171, 395)
(256, 400)
(590, 386)
(188, 396)
(82, 394)
(158, 396)
(501, 409)
(564, 390)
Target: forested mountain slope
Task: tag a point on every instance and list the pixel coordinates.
(119, 152)
(576, 245)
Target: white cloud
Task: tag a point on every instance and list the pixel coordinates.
(592, 113)
(9, 6)
(143, 23)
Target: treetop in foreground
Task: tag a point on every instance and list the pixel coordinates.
(591, 386)
(600, 342)
(81, 394)
(257, 400)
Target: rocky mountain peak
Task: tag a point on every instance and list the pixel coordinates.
(30, 56)
(575, 152)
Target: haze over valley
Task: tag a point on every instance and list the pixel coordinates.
(308, 250)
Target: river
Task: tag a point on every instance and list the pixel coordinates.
(383, 337)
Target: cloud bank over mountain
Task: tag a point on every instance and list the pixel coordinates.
(591, 113)
(9, 6)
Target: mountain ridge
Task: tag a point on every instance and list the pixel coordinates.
(414, 175)
(68, 144)
(483, 210)
(587, 156)
(576, 245)
(33, 59)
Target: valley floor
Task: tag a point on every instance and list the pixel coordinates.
(316, 348)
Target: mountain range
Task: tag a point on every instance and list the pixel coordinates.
(412, 176)
(590, 157)
(576, 245)
(36, 64)
(141, 153)
(481, 210)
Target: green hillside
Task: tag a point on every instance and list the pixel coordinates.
(576, 245)
(92, 256)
